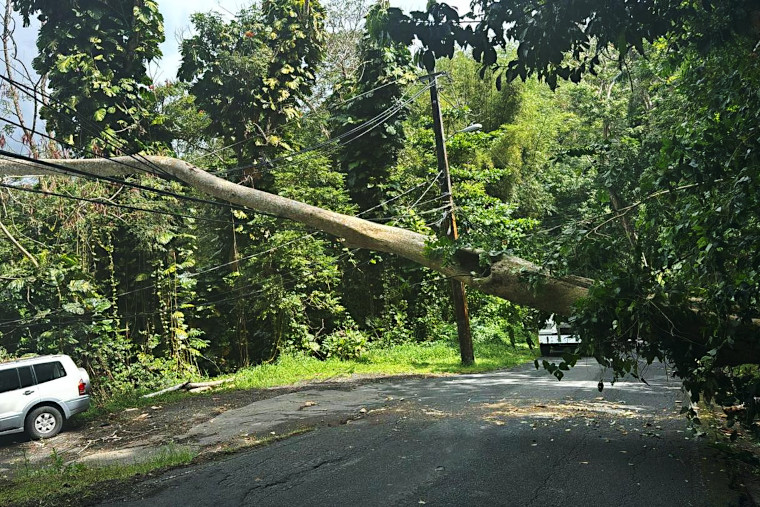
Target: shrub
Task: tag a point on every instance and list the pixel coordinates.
(345, 344)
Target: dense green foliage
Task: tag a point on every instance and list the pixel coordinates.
(95, 55)
(627, 153)
(249, 74)
(378, 86)
(666, 211)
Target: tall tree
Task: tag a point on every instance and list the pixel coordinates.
(95, 56)
(357, 107)
(250, 77)
(251, 74)
(376, 88)
(344, 26)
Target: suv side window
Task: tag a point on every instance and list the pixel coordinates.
(25, 375)
(8, 380)
(49, 371)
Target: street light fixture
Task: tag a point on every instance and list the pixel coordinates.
(472, 128)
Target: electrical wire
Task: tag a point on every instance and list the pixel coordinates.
(257, 254)
(193, 160)
(32, 93)
(369, 125)
(68, 171)
(235, 298)
(108, 203)
(247, 295)
(437, 177)
(273, 249)
(94, 130)
(54, 139)
(30, 161)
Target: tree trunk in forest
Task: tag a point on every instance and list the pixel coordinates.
(508, 277)
(511, 278)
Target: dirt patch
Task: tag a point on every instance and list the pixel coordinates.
(595, 408)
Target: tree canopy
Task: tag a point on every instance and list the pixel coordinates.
(95, 56)
(249, 74)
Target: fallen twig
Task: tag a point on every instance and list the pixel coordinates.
(190, 386)
(214, 383)
(167, 390)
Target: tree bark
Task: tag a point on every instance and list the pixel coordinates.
(508, 277)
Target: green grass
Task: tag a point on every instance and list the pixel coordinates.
(57, 483)
(413, 358)
(432, 358)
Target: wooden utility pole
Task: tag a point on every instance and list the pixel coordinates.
(449, 228)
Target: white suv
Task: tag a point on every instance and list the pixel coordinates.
(38, 394)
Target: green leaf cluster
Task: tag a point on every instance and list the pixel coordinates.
(94, 55)
(249, 74)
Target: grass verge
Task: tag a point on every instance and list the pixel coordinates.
(58, 483)
(413, 358)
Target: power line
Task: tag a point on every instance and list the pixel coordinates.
(435, 180)
(64, 170)
(73, 318)
(237, 143)
(32, 93)
(54, 139)
(95, 131)
(80, 318)
(28, 160)
(369, 125)
(108, 203)
(205, 303)
(257, 254)
(84, 123)
(217, 301)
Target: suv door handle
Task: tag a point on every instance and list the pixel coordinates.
(27, 393)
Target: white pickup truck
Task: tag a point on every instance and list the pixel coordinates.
(553, 336)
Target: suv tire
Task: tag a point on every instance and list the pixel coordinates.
(43, 422)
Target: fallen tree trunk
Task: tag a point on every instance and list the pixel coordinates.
(511, 278)
(508, 277)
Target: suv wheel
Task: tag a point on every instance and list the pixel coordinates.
(43, 422)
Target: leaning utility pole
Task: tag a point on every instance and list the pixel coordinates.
(449, 228)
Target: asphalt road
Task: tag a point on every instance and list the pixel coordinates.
(514, 437)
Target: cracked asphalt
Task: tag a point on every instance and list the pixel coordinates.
(514, 437)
